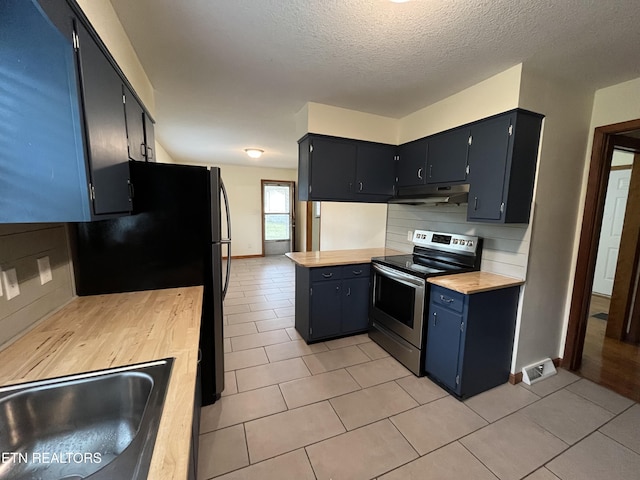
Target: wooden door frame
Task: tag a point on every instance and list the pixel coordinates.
(604, 140)
(292, 206)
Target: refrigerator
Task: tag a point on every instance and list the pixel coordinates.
(173, 238)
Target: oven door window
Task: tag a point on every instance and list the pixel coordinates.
(395, 299)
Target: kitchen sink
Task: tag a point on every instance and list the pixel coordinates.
(97, 425)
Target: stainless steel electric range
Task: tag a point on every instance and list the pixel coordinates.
(400, 292)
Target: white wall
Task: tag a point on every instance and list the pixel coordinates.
(567, 110)
(494, 95)
(345, 226)
(245, 202)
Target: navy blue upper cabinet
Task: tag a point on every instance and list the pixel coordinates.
(412, 163)
(502, 163)
(106, 129)
(41, 143)
(64, 135)
(345, 170)
(447, 159)
(375, 168)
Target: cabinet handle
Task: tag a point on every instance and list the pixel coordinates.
(357, 272)
(475, 203)
(327, 275)
(445, 299)
(435, 318)
(348, 291)
(360, 186)
(143, 150)
(199, 355)
(420, 173)
(430, 168)
(150, 153)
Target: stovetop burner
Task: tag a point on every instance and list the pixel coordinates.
(436, 254)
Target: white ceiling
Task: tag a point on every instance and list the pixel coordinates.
(231, 74)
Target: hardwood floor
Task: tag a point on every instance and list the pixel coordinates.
(611, 363)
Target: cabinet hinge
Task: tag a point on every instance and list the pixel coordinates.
(457, 379)
(76, 41)
(470, 139)
(92, 192)
(310, 147)
(467, 170)
(502, 207)
(462, 326)
(510, 130)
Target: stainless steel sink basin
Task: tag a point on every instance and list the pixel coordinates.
(98, 425)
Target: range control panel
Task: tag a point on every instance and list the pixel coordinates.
(445, 241)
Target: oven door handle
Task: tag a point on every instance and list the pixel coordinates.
(398, 276)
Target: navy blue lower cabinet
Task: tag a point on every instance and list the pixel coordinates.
(355, 302)
(470, 339)
(331, 301)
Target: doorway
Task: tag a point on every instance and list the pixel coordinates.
(603, 317)
(278, 217)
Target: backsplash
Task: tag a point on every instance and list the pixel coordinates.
(20, 247)
(505, 248)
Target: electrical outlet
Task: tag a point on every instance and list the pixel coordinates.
(44, 267)
(10, 279)
(409, 235)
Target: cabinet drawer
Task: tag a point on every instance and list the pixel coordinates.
(356, 271)
(447, 298)
(325, 273)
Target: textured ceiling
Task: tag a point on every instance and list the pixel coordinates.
(231, 74)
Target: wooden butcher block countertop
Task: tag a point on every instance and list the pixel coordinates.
(474, 282)
(103, 331)
(330, 258)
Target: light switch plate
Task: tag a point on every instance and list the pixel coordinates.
(44, 267)
(10, 279)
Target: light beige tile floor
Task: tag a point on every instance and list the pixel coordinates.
(343, 409)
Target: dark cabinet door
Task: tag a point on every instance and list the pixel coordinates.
(447, 160)
(487, 165)
(149, 139)
(412, 163)
(333, 168)
(135, 127)
(375, 169)
(443, 345)
(106, 129)
(325, 309)
(355, 304)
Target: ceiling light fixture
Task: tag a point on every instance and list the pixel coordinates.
(254, 152)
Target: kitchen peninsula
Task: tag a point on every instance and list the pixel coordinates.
(332, 291)
(104, 331)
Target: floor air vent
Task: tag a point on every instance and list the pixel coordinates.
(538, 371)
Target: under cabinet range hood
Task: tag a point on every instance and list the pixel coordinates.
(432, 195)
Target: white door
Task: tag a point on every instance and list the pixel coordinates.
(612, 221)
